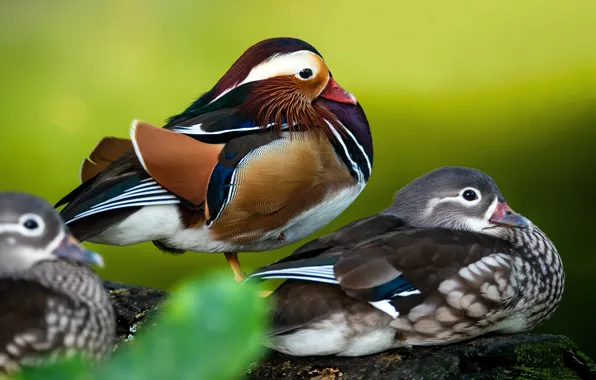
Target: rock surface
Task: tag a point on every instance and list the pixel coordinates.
(520, 356)
(525, 356)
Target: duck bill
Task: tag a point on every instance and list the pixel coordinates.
(505, 216)
(336, 93)
(70, 248)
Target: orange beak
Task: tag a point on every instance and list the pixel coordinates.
(333, 91)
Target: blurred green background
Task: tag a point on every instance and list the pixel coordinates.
(508, 87)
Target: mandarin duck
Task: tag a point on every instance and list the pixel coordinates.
(271, 154)
(51, 303)
(449, 260)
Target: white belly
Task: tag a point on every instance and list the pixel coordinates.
(163, 223)
(147, 224)
(332, 337)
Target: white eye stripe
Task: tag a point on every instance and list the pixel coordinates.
(286, 64)
(39, 226)
(10, 228)
(457, 199)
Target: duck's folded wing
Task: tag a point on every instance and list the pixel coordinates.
(108, 150)
(221, 120)
(221, 126)
(110, 196)
(164, 168)
(400, 270)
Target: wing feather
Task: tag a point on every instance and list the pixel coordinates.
(178, 163)
(393, 270)
(108, 150)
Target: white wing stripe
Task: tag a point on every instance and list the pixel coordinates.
(197, 130)
(296, 277)
(386, 307)
(325, 271)
(141, 198)
(155, 200)
(141, 186)
(140, 203)
(134, 194)
(299, 272)
(407, 293)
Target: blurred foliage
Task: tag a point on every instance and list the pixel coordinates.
(508, 87)
(210, 329)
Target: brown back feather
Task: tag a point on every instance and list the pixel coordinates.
(105, 152)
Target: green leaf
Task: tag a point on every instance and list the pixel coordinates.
(211, 328)
(72, 369)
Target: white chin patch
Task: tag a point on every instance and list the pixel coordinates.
(477, 224)
(31, 256)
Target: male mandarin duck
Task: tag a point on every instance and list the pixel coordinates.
(271, 154)
(51, 303)
(449, 260)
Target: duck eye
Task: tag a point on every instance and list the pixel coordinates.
(30, 224)
(470, 195)
(305, 74)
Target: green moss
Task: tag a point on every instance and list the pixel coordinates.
(548, 360)
(545, 353)
(522, 372)
(586, 359)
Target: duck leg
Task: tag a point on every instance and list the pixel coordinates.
(238, 273)
(234, 263)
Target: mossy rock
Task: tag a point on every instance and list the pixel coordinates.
(134, 306)
(519, 356)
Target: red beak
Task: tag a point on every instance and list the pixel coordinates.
(333, 91)
(505, 216)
